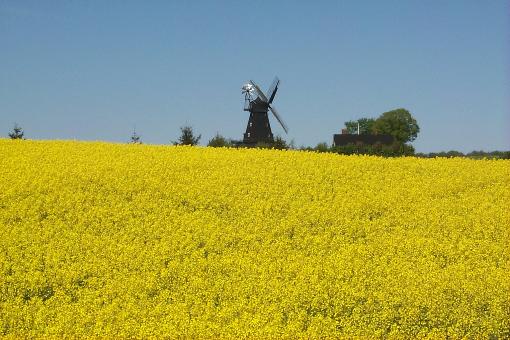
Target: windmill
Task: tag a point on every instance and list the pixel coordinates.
(258, 129)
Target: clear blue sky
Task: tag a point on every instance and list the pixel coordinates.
(92, 70)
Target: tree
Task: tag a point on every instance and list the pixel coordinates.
(219, 141)
(135, 138)
(399, 123)
(365, 126)
(322, 147)
(280, 143)
(17, 132)
(187, 137)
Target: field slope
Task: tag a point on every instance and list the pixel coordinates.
(103, 239)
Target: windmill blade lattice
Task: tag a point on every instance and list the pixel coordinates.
(272, 89)
(259, 92)
(280, 120)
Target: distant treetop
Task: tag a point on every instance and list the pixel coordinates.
(17, 132)
(187, 137)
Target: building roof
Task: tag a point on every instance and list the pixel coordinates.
(344, 139)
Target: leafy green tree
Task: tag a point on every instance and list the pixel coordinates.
(17, 132)
(322, 147)
(365, 126)
(490, 155)
(399, 123)
(280, 143)
(219, 141)
(187, 137)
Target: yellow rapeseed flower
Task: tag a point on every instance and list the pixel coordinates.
(102, 239)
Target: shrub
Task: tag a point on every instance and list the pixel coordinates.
(219, 141)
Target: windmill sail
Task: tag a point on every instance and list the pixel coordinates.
(280, 120)
(259, 92)
(272, 89)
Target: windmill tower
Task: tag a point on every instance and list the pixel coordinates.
(258, 129)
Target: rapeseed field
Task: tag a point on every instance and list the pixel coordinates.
(112, 240)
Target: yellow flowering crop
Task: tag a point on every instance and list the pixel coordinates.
(103, 239)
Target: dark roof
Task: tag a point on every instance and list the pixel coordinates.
(344, 139)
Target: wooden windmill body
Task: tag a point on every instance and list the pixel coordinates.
(258, 129)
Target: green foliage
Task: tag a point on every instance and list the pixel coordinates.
(492, 154)
(394, 150)
(472, 154)
(280, 143)
(187, 137)
(17, 132)
(366, 126)
(449, 154)
(219, 141)
(322, 147)
(399, 123)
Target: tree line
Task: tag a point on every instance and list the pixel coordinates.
(398, 123)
